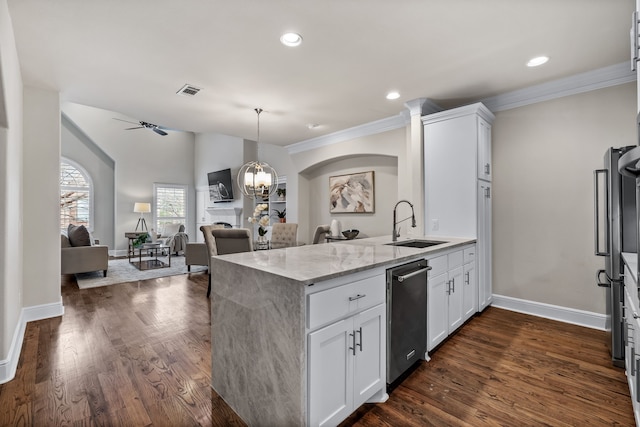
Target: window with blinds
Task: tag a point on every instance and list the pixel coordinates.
(170, 205)
(76, 192)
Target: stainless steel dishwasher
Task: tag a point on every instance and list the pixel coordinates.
(406, 317)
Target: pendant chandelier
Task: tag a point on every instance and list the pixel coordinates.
(257, 179)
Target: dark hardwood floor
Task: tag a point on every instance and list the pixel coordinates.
(138, 354)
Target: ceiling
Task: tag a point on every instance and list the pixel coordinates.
(132, 57)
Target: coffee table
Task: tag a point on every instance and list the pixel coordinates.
(149, 251)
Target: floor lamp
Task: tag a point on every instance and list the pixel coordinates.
(142, 208)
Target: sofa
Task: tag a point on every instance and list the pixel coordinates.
(83, 259)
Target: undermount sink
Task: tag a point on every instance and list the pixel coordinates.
(416, 243)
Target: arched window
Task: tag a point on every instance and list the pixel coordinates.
(76, 195)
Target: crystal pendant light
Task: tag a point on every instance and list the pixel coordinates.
(257, 179)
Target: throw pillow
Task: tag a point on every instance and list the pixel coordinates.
(78, 235)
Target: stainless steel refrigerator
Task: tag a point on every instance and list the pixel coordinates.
(615, 232)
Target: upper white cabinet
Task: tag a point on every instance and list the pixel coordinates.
(484, 150)
(458, 172)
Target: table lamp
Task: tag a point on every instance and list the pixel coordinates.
(142, 208)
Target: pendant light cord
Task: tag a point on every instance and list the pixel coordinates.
(258, 111)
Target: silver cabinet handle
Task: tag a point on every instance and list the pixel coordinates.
(358, 296)
(448, 287)
(412, 274)
(467, 281)
(633, 361)
(487, 168)
(453, 285)
(353, 349)
(359, 331)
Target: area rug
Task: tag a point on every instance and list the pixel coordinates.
(121, 271)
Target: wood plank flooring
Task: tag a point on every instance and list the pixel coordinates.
(138, 354)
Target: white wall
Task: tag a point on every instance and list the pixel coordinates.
(76, 146)
(386, 195)
(142, 158)
(543, 157)
(215, 152)
(315, 164)
(11, 99)
(41, 197)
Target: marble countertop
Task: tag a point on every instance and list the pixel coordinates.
(631, 259)
(312, 263)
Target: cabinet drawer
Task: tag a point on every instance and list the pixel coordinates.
(455, 259)
(438, 265)
(326, 306)
(469, 254)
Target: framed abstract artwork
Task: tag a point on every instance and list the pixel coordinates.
(352, 193)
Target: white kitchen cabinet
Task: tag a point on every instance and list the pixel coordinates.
(485, 287)
(445, 297)
(632, 348)
(631, 319)
(470, 292)
(347, 354)
(485, 168)
(458, 172)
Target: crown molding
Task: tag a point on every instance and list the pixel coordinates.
(383, 125)
(477, 108)
(612, 75)
(422, 106)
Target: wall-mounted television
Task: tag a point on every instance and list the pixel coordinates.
(220, 186)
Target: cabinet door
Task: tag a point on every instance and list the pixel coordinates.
(450, 176)
(483, 245)
(484, 150)
(470, 293)
(370, 365)
(437, 308)
(456, 291)
(331, 373)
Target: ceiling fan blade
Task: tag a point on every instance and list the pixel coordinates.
(139, 127)
(159, 131)
(127, 121)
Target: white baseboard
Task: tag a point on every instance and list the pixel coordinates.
(548, 311)
(118, 253)
(9, 365)
(28, 314)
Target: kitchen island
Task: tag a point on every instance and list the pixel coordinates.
(268, 308)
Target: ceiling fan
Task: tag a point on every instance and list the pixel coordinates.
(145, 125)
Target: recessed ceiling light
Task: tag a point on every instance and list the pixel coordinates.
(393, 95)
(538, 60)
(291, 39)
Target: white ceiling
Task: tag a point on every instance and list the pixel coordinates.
(132, 56)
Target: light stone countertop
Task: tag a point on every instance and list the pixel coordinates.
(309, 264)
